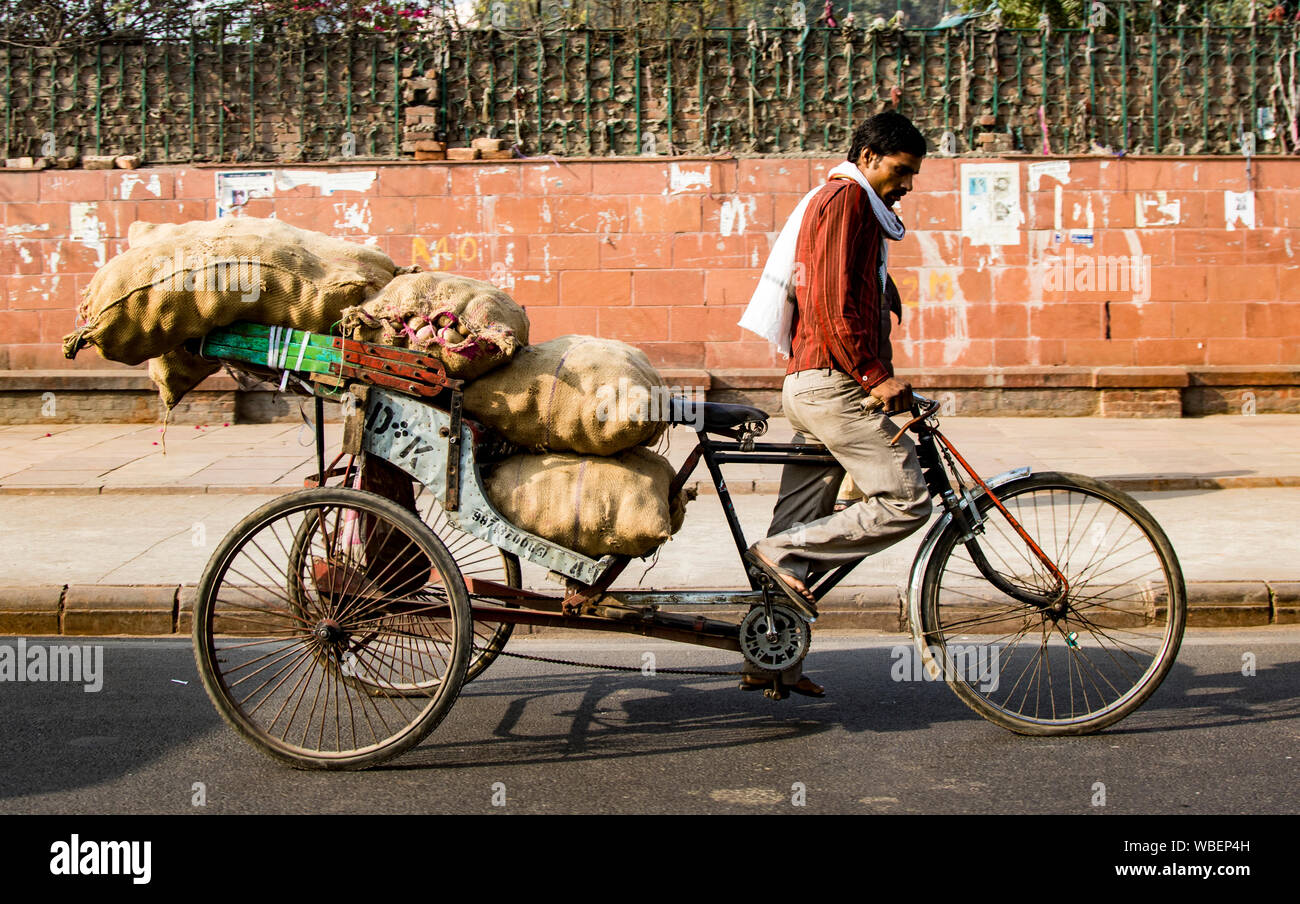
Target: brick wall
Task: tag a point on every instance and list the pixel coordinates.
(665, 255)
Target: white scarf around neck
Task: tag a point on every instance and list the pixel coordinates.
(770, 312)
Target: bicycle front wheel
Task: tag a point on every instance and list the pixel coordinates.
(1033, 670)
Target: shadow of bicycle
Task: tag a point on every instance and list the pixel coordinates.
(574, 716)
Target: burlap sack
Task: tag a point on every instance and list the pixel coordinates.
(593, 505)
(472, 327)
(573, 394)
(177, 372)
(179, 281)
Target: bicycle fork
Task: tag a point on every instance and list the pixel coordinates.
(965, 513)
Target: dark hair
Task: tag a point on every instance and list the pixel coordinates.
(887, 133)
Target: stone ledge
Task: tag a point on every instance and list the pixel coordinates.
(748, 378)
(1045, 377)
(1232, 375)
(90, 397)
(98, 380)
(1228, 604)
(101, 609)
(771, 377)
(186, 597)
(687, 378)
(1286, 602)
(30, 610)
(1140, 377)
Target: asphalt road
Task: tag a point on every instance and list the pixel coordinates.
(561, 739)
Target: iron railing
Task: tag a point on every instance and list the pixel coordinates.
(1137, 87)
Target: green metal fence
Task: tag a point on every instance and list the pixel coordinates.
(1136, 87)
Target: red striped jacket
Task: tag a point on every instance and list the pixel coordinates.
(841, 320)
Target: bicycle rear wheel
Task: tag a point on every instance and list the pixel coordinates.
(1042, 673)
(332, 629)
(474, 557)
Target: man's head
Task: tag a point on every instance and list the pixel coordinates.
(888, 149)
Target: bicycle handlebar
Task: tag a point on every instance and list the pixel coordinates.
(922, 407)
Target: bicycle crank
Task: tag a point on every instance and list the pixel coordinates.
(774, 642)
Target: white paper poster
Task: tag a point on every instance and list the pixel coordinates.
(328, 182)
(1057, 169)
(1238, 207)
(990, 203)
(235, 188)
(1155, 209)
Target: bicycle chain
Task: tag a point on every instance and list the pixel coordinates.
(595, 665)
(611, 668)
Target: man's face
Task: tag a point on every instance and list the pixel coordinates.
(891, 176)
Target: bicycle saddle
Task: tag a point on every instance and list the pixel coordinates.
(713, 417)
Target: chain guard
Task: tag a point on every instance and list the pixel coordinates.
(790, 646)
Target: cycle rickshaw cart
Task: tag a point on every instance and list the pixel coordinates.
(335, 626)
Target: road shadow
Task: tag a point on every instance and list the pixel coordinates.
(153, 710)
(631, 715)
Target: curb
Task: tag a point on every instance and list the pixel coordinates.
(164, 610)
(1156, 484)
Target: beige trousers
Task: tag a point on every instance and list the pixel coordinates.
(806, 535)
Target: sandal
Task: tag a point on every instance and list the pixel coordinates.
(805, 686)
(801, 602)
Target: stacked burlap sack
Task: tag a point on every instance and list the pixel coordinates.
(585, 408)
(179, 282)
(470, 326)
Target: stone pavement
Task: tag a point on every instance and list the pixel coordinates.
(1224, 452)
(102, 533)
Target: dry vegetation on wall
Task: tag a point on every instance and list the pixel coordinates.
(302, 80)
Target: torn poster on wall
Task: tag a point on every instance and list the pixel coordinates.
(1238, 207)
(235, 188)
(1057, 169)
(990, 203)
(1156, 209)
(328, 182)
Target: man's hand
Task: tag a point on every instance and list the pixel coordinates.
(895, 395)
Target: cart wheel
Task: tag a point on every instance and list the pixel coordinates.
(476, 558)
(317, 617)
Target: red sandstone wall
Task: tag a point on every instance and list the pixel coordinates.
(665, 255)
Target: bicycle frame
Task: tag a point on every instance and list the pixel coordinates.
(716, 453)
(965, 510)
(425, 448)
